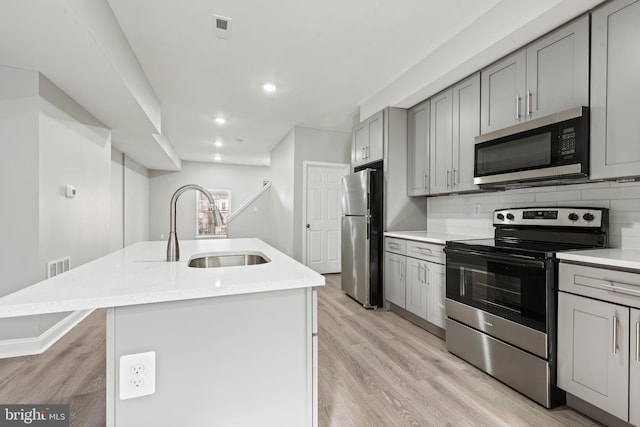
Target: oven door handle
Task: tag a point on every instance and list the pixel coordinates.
(517, 260)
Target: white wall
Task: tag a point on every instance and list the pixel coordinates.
(129, 201)
(19, 155)
(287, 158)
(136, 202)
(455, 214)
(282, 191)
(255, 220)
(242, 181)
(48, 141)
(318, 146)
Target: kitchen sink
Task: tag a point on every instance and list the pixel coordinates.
(214, 260)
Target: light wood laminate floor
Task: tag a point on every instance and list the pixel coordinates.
(375, 369)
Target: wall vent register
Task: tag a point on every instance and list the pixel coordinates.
(58, 266)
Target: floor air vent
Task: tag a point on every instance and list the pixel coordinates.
(58, 266)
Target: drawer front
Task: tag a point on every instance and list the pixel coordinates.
(394, 245)
(615, 286)
(425, 251)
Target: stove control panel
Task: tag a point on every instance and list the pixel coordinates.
(556, 216)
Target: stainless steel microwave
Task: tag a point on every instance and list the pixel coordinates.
(549, 150)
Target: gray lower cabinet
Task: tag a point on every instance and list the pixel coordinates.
(593, 352)
(417, 287)
(414, 279)
(548, 76)
(418, 150)
(394, 278)
(599, 338)
(615, 65)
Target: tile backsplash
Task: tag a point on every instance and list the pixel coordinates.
(471, 214)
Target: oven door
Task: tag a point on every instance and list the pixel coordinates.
(504, 296)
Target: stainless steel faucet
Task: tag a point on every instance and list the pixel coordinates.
(173, 249)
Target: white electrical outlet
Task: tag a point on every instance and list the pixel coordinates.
(137, 375)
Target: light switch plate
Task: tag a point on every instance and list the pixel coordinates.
(137, 375)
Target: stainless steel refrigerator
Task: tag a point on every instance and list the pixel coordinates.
(362, 236)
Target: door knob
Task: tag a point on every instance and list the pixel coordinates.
(308, 226)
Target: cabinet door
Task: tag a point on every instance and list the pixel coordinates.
(441, 127)
(418, 150)
(558, 71)
(394, 278)
(466, 126)
(634, 368)
(376, 137)
(503, 89)
(593, 352)
(360, 140)
(615, 66)
(417, 287)
(435, 294)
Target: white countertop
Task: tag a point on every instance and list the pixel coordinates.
(139, 274)
(430, 237)
(615, 258)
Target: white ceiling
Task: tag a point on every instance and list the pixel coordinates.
(154, 67)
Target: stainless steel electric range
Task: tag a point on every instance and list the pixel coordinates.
(501, 293)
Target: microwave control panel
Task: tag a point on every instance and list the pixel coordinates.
(568, 142)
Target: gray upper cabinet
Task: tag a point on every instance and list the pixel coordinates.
(503, 87)
(441, 143)
(368, 140)
(548, 76)
(418, 150)
(455, 122)
(558, 71)
(466, 126)
(615, 67)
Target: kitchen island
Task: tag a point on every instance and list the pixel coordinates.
(232, 345)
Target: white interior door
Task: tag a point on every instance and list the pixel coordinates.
(323, 226)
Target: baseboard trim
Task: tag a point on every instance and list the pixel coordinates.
(38, 345)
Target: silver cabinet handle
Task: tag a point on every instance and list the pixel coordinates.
(529, 109)
(615, 334)
(366, 151)
(422, 250)
(401, 269)
(517, 107)
(453, 176)
(426, 181)
(394, 245)
(448, 173)
(637, 341)
(613, 288)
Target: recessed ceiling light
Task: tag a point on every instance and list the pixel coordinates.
(217, 157)
(221, 120)
(218, 144)
(269, 87)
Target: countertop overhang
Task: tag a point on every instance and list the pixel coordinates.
(139, 274)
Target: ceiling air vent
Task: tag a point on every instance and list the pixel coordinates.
(221, 27)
